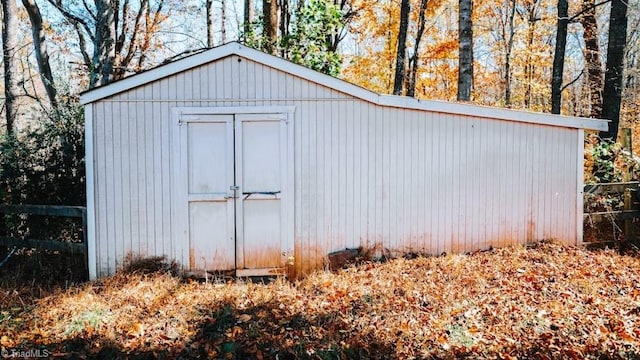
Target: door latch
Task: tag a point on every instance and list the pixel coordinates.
(234, 194)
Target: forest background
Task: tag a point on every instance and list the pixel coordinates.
(572, 57)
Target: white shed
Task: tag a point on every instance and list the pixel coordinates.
(236, 160)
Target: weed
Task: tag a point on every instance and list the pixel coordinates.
(88, 320)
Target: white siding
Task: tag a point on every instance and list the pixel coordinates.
(388, 179)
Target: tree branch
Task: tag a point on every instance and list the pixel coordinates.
(26, 69)
(183, 54)
(71, 17)
(572, 81)
(86, 7)
(584, 10)
(121, 37)
(82, 44)
(149, 24)
(40, 47)
(134, 36)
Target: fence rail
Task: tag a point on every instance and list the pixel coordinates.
(610, 188)
(46, 210)
(619, 215)
(629, 213)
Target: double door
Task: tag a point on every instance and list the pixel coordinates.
(234, 166)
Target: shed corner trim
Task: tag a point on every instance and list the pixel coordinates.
(90, 194)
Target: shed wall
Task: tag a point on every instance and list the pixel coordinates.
(365, 175)
(405, 181)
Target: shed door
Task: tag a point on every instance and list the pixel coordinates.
(260, 158)
(209, 169)
(235, 169)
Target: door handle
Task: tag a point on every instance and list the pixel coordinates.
(272, 193)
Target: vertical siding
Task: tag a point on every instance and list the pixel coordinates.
(99, 188)
(117, 182)
(389, 180)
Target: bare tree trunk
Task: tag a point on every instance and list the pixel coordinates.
(210, 30)
(465, 54)
(41, 52)
(248, 15)
(139, 36)
(612, 94)
(413, 61)
(223, 21)
(507, 56)
(270, 25)
(104, 44)
(285, 18)
(595, 76)
(558, 56)
(9, 46)
(532, 19)
(117, 35)
(398, 81)
(348, 14)
(528, 70)
(632, 69)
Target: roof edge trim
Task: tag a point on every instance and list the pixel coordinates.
(494, 113)
(235, 48)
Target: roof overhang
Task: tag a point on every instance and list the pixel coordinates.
(235, 48)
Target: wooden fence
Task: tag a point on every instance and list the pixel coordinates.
(47, 210)
(626, 217)
(623, 217)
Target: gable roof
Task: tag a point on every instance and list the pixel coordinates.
(234, 48)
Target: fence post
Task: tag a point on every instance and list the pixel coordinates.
(629, 233)
(626, 140)
(629, 194)
(627, 145)
(84, 238)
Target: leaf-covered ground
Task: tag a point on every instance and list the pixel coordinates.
(544, 302)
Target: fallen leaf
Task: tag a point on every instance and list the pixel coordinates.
(244, 318)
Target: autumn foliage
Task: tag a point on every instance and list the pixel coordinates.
(548, 301)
